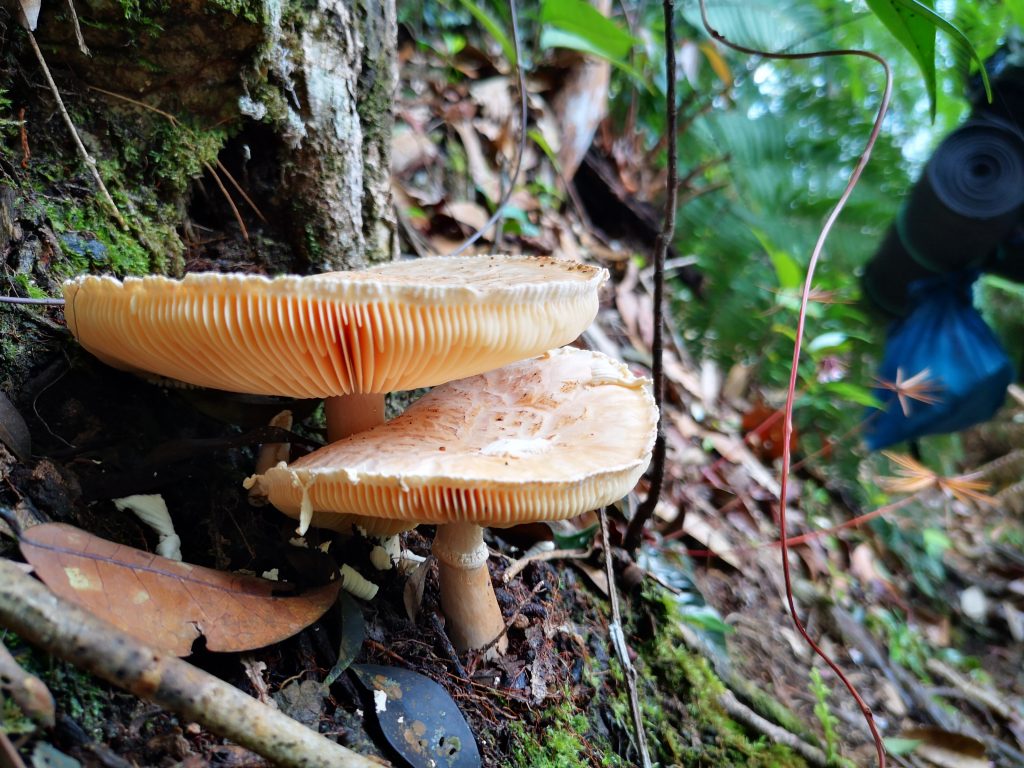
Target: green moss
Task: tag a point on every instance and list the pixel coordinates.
(250, 10)
(685, 723)
(567, 740)
(86, 702)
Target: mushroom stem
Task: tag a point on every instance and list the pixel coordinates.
(467, 597)
(348, 414)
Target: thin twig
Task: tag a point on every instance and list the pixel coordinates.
(618, 638)
(223, 190)
(521, 84)
(634, 530)
(78, 29)
(787, 425)
(552, 554)
(238, 188)
(80, 638)
(220, 166)
(43, 302)
(82, 151)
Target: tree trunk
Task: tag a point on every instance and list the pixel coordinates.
(176, 102)
(341, 168)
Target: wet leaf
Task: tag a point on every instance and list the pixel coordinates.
(419, 718)
(13, 431)
(947, 749)
(353, 633)
(165, 603)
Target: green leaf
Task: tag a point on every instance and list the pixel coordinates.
(787, 270)
(578, 540)
(913, 23)
(1016, 8)
(959, 38)
(936, 542)
(586, 22)
(830, 340)
(853, 393)
(915, 32)
(895, 746)
(578, 26)
(493, 28)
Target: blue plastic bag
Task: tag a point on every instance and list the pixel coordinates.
(968, 370)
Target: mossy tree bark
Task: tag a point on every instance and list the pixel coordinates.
(320, 76)
(293, 99)
(341, 167)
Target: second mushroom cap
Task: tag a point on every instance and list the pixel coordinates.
(541, 439)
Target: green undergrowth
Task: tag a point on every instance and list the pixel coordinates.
(680, 693)
(679, 696)
(568, 740)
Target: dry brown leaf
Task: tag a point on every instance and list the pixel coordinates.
(411, 150)
(165, 603)
(480, 171)
(946, 749)
(469, 213)
(696, 526)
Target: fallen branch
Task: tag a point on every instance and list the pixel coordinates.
(27, 691)
(68, 632)
(742, 713)
(981, 696)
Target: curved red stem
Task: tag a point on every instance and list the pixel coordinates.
(787, 425)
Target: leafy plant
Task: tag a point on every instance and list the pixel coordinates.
(824, 714)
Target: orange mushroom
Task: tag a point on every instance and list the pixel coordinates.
(542, 439)
(399, 326)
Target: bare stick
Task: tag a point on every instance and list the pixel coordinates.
(234, 209)
(634, 530)
(744, 714)
(78, 29)
(82, 151)
(542, 557)
(619, 642)
(28, 691)
(69, 632)
(20, 300)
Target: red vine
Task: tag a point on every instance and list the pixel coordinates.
(787, 425)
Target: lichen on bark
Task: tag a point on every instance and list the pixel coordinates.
(339, 176)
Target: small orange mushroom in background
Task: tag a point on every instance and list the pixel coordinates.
(542, 439)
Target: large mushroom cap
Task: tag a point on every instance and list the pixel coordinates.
(541, 439)
(400, 326)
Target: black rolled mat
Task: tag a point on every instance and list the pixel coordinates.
(968, 199)
(1008, 261)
